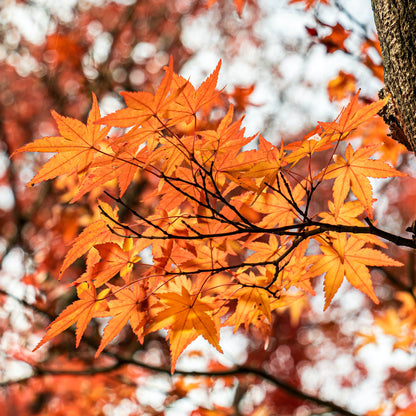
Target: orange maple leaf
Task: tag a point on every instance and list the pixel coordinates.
(353, 173)
(346, 257)
(355, 115)
(114, 260)
(335, 40)
(341, 86)
(310, 144)
(376, 131)
(122, 166)
(295, 271)
(240, 96)
(352, 116)
(96, 233)
(268, 164)
(75, 149)
(278, 212)
(265, 251)
(67, 48)
(348, 215)
(127, 307)
(253, 305)
(81, 311)
(223, 145)
(121, 159)
(187, 316)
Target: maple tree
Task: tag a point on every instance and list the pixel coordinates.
(167, 222)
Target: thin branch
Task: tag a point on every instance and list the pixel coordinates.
(321, 227)
(27, 304)
(236, 371)
(371, 229)
(353, 19)
(396, 282)
(39, 371)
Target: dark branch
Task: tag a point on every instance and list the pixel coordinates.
(236, 371)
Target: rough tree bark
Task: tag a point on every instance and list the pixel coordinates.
(396, 27)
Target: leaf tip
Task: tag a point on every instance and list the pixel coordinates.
(40, 343)
(99, 351)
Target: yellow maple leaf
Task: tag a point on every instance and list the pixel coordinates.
(347, 257)
(352, 116)
(353, 173)
(81, 312)
(124, 309)
(253, 305)
(186, 316)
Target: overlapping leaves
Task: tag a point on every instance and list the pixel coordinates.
(230, 233)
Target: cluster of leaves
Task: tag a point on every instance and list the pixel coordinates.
(288, 203)
(233, 232)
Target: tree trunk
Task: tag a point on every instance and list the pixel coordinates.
(396, 27)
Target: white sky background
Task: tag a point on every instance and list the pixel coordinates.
(282, 24)
(301, 106)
